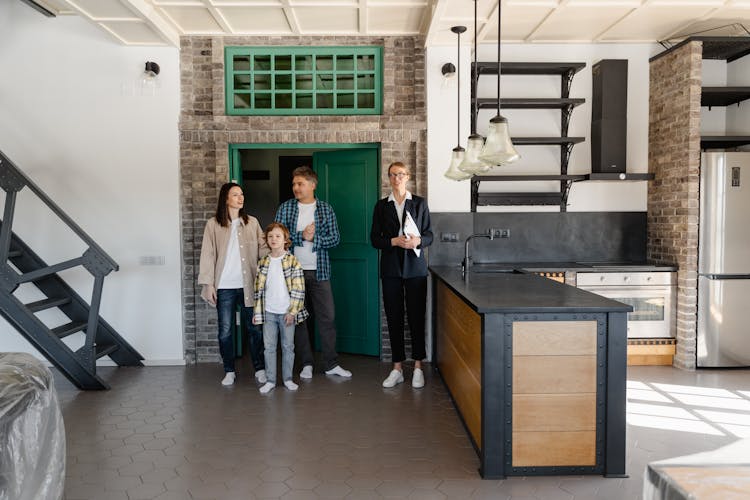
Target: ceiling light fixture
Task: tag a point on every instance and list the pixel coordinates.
(472, 164)
(457, 157)
(498, 148)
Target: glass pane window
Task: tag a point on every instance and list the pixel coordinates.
(644, 308)
(303, 80)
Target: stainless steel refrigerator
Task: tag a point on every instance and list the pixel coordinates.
(724, 261)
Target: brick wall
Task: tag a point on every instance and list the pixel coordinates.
(206, 132)
(674, 158)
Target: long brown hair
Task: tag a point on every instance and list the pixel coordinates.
(222, 213)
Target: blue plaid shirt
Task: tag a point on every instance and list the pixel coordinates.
(326, 232)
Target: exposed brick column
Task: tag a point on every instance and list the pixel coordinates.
(206, 133)
(674, 159)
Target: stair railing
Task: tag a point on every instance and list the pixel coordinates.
(94, 259)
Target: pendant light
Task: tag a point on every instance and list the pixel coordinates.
(498, 149)
(472, 163)
(457, 157)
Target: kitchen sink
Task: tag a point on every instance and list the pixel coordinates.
(493, 270)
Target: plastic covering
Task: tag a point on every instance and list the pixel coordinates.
(32, 435)
(722, 474)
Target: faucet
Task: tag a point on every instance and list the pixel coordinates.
(466, 262)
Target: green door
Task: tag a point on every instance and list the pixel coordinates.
(348, 180)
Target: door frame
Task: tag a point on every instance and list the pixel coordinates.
(235, 175)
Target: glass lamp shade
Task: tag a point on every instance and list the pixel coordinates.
(453, 171)
(498, 148)
(472, 164)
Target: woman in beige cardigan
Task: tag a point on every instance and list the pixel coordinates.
(232, 244)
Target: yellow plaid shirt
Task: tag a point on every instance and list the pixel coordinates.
(295, 284)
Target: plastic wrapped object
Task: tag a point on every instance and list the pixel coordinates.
(32, 435)
(721, 474)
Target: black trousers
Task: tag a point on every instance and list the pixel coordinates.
(319, 303)
(414, 290)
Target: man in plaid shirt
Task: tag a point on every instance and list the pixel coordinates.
(313, 228)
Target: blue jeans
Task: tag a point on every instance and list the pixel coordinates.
(226, 304)
(271, 328)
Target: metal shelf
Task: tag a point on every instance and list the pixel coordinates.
(511, 178)
(721, 141)
(546, 141)
(529, 68)
(485, 199)
(618, 177)
(530, 103)
(723, 96)
(727, 48)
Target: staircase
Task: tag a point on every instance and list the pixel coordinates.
(19, 264)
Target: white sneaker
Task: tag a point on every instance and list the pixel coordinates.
(228, 379)
(266, 388)
(306, 372)
(417, 380)
(337, 370)
(290, 385)
(395, 377)
(260, 376)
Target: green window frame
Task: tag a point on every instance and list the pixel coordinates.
(265, 81)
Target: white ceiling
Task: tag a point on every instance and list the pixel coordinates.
(162, 22)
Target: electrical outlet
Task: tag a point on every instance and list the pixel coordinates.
(504, 233)
(448, 237)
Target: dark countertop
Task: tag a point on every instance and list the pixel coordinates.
(507, 292)
(579, 267)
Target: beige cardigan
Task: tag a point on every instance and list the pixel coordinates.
(214, 252)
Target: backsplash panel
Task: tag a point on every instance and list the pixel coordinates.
(541, 237)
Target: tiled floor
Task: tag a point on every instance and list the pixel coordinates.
(176, 433)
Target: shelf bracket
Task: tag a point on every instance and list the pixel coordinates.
(474, 193)
(565, 191)
(565, 114)
(566, 83)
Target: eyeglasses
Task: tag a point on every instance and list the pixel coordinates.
(399, 175)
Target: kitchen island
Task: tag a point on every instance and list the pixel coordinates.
(536, 369)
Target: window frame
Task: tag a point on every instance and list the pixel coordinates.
(334, 53)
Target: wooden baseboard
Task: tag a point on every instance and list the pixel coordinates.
(651, 352)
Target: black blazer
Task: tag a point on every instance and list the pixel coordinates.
(396, 262)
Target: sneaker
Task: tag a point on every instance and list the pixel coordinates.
(417, 380)
(266, 388)
(290, 385)
(337, 370)
(306, 372)
(395, 377)
(228, 379)
(260, 376)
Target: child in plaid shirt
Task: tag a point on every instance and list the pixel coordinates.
(279, 303)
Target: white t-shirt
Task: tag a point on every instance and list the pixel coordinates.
(231, 275)
(305, 255)
(277, 295)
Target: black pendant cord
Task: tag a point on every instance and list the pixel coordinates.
(458, 91)
(475, 77)
(499, 7)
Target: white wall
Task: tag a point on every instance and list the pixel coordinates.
(448, 196)
(73, 118)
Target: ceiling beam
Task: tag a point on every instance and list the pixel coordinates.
(550, 14)
(291, 17)
(39, 8)
(705, 16)
(154, 20)
(218, 17)
(363, 17)
(431, 20)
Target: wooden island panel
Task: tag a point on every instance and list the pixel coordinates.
(554, 393)
(459, 350)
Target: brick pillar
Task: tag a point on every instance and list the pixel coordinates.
(674, 159)
(206, 133)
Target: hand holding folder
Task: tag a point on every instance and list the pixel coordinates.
(410, 228)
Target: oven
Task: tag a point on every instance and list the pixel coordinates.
(651, 294)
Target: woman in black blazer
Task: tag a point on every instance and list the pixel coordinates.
(403, 269)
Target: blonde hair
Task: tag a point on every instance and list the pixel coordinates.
(401, 165)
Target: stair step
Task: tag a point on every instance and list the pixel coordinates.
(63, 331)
(104, 350)
(41, 305)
